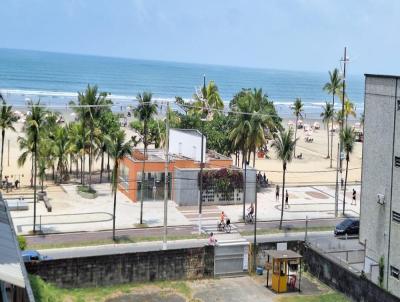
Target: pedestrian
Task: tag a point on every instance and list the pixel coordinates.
(211, 239)
(287, 200)
(341, 183)
(16, 184)
(277, 193)
(354, 197)
(265, 178)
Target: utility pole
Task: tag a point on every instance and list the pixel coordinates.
(201, 160)
(244, 190)
(255, 229)
(166, 178)
(337, 182)
(344, 60)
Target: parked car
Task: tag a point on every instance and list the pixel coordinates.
(30, 256)
(349, 226)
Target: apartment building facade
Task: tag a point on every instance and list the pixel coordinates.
(380, 190)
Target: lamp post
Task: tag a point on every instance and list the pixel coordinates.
(255, 228)
(166, 178)
(201, 160)
(244, 189)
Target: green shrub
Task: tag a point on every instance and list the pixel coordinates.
(21, 242)
(43, 291)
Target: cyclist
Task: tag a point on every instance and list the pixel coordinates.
(250, 210)
(222, 218)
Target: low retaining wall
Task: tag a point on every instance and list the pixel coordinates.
(191, 263)
(344, 280)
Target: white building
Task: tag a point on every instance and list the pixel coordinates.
(380, 190)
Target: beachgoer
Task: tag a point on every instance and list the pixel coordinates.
(354, 197)
(16, 184)
(287, 200)
(277, 193)
(265, 178)
(211, 239)
(341, 183)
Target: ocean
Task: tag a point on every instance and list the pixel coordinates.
(55, 78)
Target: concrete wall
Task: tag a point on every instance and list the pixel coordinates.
(343, 280)
(381, 144)
(191, 263)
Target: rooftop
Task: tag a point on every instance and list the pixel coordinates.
(284, 254)
(158, 155)
(11, 266)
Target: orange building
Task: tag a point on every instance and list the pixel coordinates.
(130, 173)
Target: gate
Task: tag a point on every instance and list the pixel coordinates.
(231, 257)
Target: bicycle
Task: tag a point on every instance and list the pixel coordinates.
(249, 219)
(226, 227)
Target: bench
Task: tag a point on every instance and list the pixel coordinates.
(47, 203)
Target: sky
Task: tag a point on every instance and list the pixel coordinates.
(304, 35)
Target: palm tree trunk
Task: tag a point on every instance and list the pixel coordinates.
(101, 168)
(32, 168)
(77, 167)
(90, 157)
(283, 195)
(70, 164)
(345, 183)
(333, 108)
(144, 161)
(327, 126)
(34, 187)
(115, 196)
(82, 169)
(2, 153)
(108, 166)
(295, 136)
(254, 158)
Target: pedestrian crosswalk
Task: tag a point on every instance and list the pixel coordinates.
(209, 218)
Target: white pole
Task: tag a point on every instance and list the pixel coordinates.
(166, 179)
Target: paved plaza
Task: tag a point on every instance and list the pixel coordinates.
(72, 213)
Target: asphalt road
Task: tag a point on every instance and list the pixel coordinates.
(175, 231)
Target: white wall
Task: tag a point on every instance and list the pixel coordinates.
(186, 144)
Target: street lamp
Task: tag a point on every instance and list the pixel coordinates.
(201, 158)
(244, 189)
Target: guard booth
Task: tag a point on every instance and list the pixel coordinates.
(285, 268)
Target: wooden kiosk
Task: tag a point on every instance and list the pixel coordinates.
(284, 266)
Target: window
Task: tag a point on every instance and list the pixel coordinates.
(397, 161)
(124, 176)
(396, 216)
(394, 272)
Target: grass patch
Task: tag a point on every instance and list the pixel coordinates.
(86, 189)
(141, 225)
(46, 292)
(285, 230)
(330, 297)
(120, 240)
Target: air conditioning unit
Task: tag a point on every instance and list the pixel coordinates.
(381, 199)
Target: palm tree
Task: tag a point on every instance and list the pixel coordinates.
(207, 100)
(144, 112)
(327, 116)
(347, 138)
(118, 149)
(297, 111)
(349, 109)
(7, 119)
(92, 104)
(27, 148)
(34, 124)
(79, 138)
(333, 87)
(61, 147)
(284, 145)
